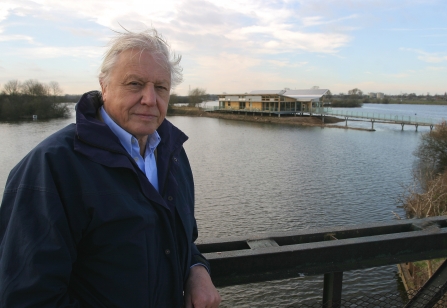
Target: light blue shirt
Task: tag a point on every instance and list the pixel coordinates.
(147, 164)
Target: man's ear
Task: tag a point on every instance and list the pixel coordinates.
(104, 91)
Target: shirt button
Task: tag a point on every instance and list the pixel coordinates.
(170, 198)
(167, 251)
(133, 140)
(135, 158)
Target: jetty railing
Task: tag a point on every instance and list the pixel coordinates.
(406, 119)
(328, 252)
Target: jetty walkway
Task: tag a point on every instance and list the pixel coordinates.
(346, 114)
(377, 117)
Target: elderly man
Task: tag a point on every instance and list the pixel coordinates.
(101, 214)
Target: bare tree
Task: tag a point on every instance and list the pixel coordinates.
(327, 97)
(431, 202)
(355, 91)
(12, 87)
(196, 96)
(54, 88)
(173, 99)
(34, 88)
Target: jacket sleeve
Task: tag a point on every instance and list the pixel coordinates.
(37, 246)
(197, 257)
(187, 184)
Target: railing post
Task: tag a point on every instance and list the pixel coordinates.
(332, 290)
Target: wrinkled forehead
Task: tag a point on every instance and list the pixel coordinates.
(145, 62)
(139, 55)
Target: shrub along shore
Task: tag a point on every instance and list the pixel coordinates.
(426, 196)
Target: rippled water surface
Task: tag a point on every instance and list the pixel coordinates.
(261, 177)
(257, 177)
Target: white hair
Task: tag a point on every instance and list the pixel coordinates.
(148, 40)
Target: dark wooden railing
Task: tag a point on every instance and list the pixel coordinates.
(328, 252)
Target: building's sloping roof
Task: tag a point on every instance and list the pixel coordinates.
(305, 95)
(267, 92)
(306, 92)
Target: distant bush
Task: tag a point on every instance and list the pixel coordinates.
(18, 106)
(346, 103)
(23, 100)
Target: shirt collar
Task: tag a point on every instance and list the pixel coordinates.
(126, 138)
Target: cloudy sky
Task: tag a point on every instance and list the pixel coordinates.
(389, 46)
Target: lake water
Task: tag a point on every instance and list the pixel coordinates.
(260, 177)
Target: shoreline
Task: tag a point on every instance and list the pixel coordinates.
(287, 120)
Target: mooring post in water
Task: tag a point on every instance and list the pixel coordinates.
(346, 123)
(372, 124)
(416, 126)
(332, 290)
(402, 125)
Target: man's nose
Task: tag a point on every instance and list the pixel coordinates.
(149, 96)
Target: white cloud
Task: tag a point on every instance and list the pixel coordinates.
(280, 63)
(278, 38)
(49, 52)
(235, 73)
(321, 20)
(240, 45)
(261, 26)
(399, 75)
(437, 68)
(430, 57)
(18, 37)
(6, 7)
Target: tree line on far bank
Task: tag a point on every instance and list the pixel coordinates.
(196, 96)
(22, 100)
(356, 98)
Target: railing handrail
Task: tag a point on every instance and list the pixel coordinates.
(264, 257)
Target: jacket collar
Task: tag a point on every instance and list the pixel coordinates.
(98, 143)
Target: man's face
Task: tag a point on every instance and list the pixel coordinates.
(137, 93)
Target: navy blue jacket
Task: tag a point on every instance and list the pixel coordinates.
(81, 226)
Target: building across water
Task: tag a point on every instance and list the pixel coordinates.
(278, 102)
